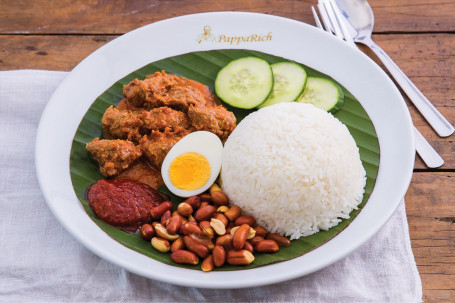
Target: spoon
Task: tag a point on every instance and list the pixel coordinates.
(360, 16)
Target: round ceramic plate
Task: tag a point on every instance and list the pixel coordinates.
(225, 30)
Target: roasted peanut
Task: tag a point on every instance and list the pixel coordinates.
(194, 201)
(161, 244)
(268, 246)
(157, 211)
(251, 232)
(248, 246)
(256, 239)
(250, 220)
(239, 257)
(225, 241)
(233, 230)
(205, 197)
(214, 188)
(204, 213)
(233, 213)
(190, 228)
(240, 236)
(184, 257)
(192, 245)
(205, 225)
(222, 209)
(185, 209)
(203, 204)
(165, 217)
(210, 231)
(229, 227)
(147, 232)
(204, 239)
(174, 224)
(176, 213)
(218, 226)
(219, 198)
(207, 264)
(162, 232)
(260, 231)
(279, 239)
(184, 220)
(222, 218)
(177, 245)
(219, 255)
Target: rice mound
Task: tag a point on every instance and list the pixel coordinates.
(294, 167)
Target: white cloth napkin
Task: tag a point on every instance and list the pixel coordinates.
(41, 262)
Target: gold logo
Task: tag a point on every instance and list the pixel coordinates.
(207, 36)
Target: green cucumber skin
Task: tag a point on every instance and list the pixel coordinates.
(298, 66)
(249, 104)
(338, 104)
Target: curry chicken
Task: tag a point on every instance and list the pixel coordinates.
(154, 114)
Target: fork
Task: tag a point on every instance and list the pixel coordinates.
(331, 15)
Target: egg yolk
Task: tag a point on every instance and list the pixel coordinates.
(189, 171)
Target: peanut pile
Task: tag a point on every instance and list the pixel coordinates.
(205, 227)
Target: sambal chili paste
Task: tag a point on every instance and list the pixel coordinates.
(123, 203)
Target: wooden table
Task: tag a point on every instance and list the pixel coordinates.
(418, 34)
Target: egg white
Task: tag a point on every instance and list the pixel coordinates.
(201, 142)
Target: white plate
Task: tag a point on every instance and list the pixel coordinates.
(270, 34)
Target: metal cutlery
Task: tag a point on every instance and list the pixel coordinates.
(357, 19)
(331, 18)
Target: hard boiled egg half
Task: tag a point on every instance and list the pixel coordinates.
(193, 164)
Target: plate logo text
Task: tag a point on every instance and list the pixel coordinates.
(207, 36)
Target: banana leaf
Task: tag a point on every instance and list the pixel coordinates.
(203, 67)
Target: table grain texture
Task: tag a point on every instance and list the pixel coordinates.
(418, 34)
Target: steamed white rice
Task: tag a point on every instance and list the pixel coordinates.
(294, 167)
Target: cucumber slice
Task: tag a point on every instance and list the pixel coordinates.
(323, 93)
(245, 82)
(289, 82)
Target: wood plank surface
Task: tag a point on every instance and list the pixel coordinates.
(418, 34)
(52, 52)
(117, 17)
(431, 217)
